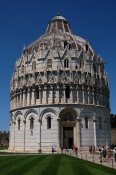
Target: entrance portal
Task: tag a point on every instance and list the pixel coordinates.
(68, 137)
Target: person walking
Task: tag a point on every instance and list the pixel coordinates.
(114, 151)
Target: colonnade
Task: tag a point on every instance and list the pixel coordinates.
(55, 94)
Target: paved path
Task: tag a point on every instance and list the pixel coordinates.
(94, 158)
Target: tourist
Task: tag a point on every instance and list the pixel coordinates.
(114, 151)
(76, 150)
(90, 149)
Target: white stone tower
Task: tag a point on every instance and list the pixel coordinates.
(59, 93)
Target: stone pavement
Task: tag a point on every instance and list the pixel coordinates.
(83, 154)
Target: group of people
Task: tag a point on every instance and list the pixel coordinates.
(91, 149)
(106, 153)
(74, 149)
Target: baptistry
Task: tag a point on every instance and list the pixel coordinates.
(59, 93)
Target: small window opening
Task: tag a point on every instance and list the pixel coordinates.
(31, 123)
(34, 66)
(86, 123)
(66, 63)
(70, 46)
(65, 44)
(87, 47)
(37, 94)
(67, 92)
(48, 122)
(19, 121)
(49, 63)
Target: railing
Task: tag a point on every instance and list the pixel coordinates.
(94, 157)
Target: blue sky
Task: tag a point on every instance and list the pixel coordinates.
(23, 21)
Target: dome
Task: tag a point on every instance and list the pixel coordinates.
(58, 17)
(59, 31)
(57, 45)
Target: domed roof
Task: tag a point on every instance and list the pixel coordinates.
(58, 17)
(59, 50)
(58, 34)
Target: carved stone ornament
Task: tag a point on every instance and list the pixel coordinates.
(39, 80)
(88, 79)
(76, 78)
(29, 81)
(51, 79)
(33, 78)
(64, 78)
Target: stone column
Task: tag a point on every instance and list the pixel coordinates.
(45, 97)
(64, 87)
(77, 94)
(57, 96)
(71, 94)
(33, 97)
(40, 95)
(83, 93)
(58, 131)
(88, 92)
(24, 121)
(93, 95)
(28, 97)
(17, 100)
(51, 87)
(40, 140)
(13, 101)
(20, 99)
(24, 98)
(14, 123)
(94, 126)
(78, 132)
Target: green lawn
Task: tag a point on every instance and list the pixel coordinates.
(3, 147)
(50, 165)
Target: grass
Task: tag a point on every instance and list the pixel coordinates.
(3, 147)
(50, 165)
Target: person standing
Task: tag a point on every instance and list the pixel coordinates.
(114, 151)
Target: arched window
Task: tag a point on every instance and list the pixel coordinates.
(37, 94)
(48, 122)
(34, 66)
(19, 123)
(67, 117)
(87, 47)
(31, 123)
(86, 123)
(67, 92)
(66, 63)
(65, 44)
(49, 63)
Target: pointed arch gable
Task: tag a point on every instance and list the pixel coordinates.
(30, 112)
(18, 114)
(71, 110)
(47, 111)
